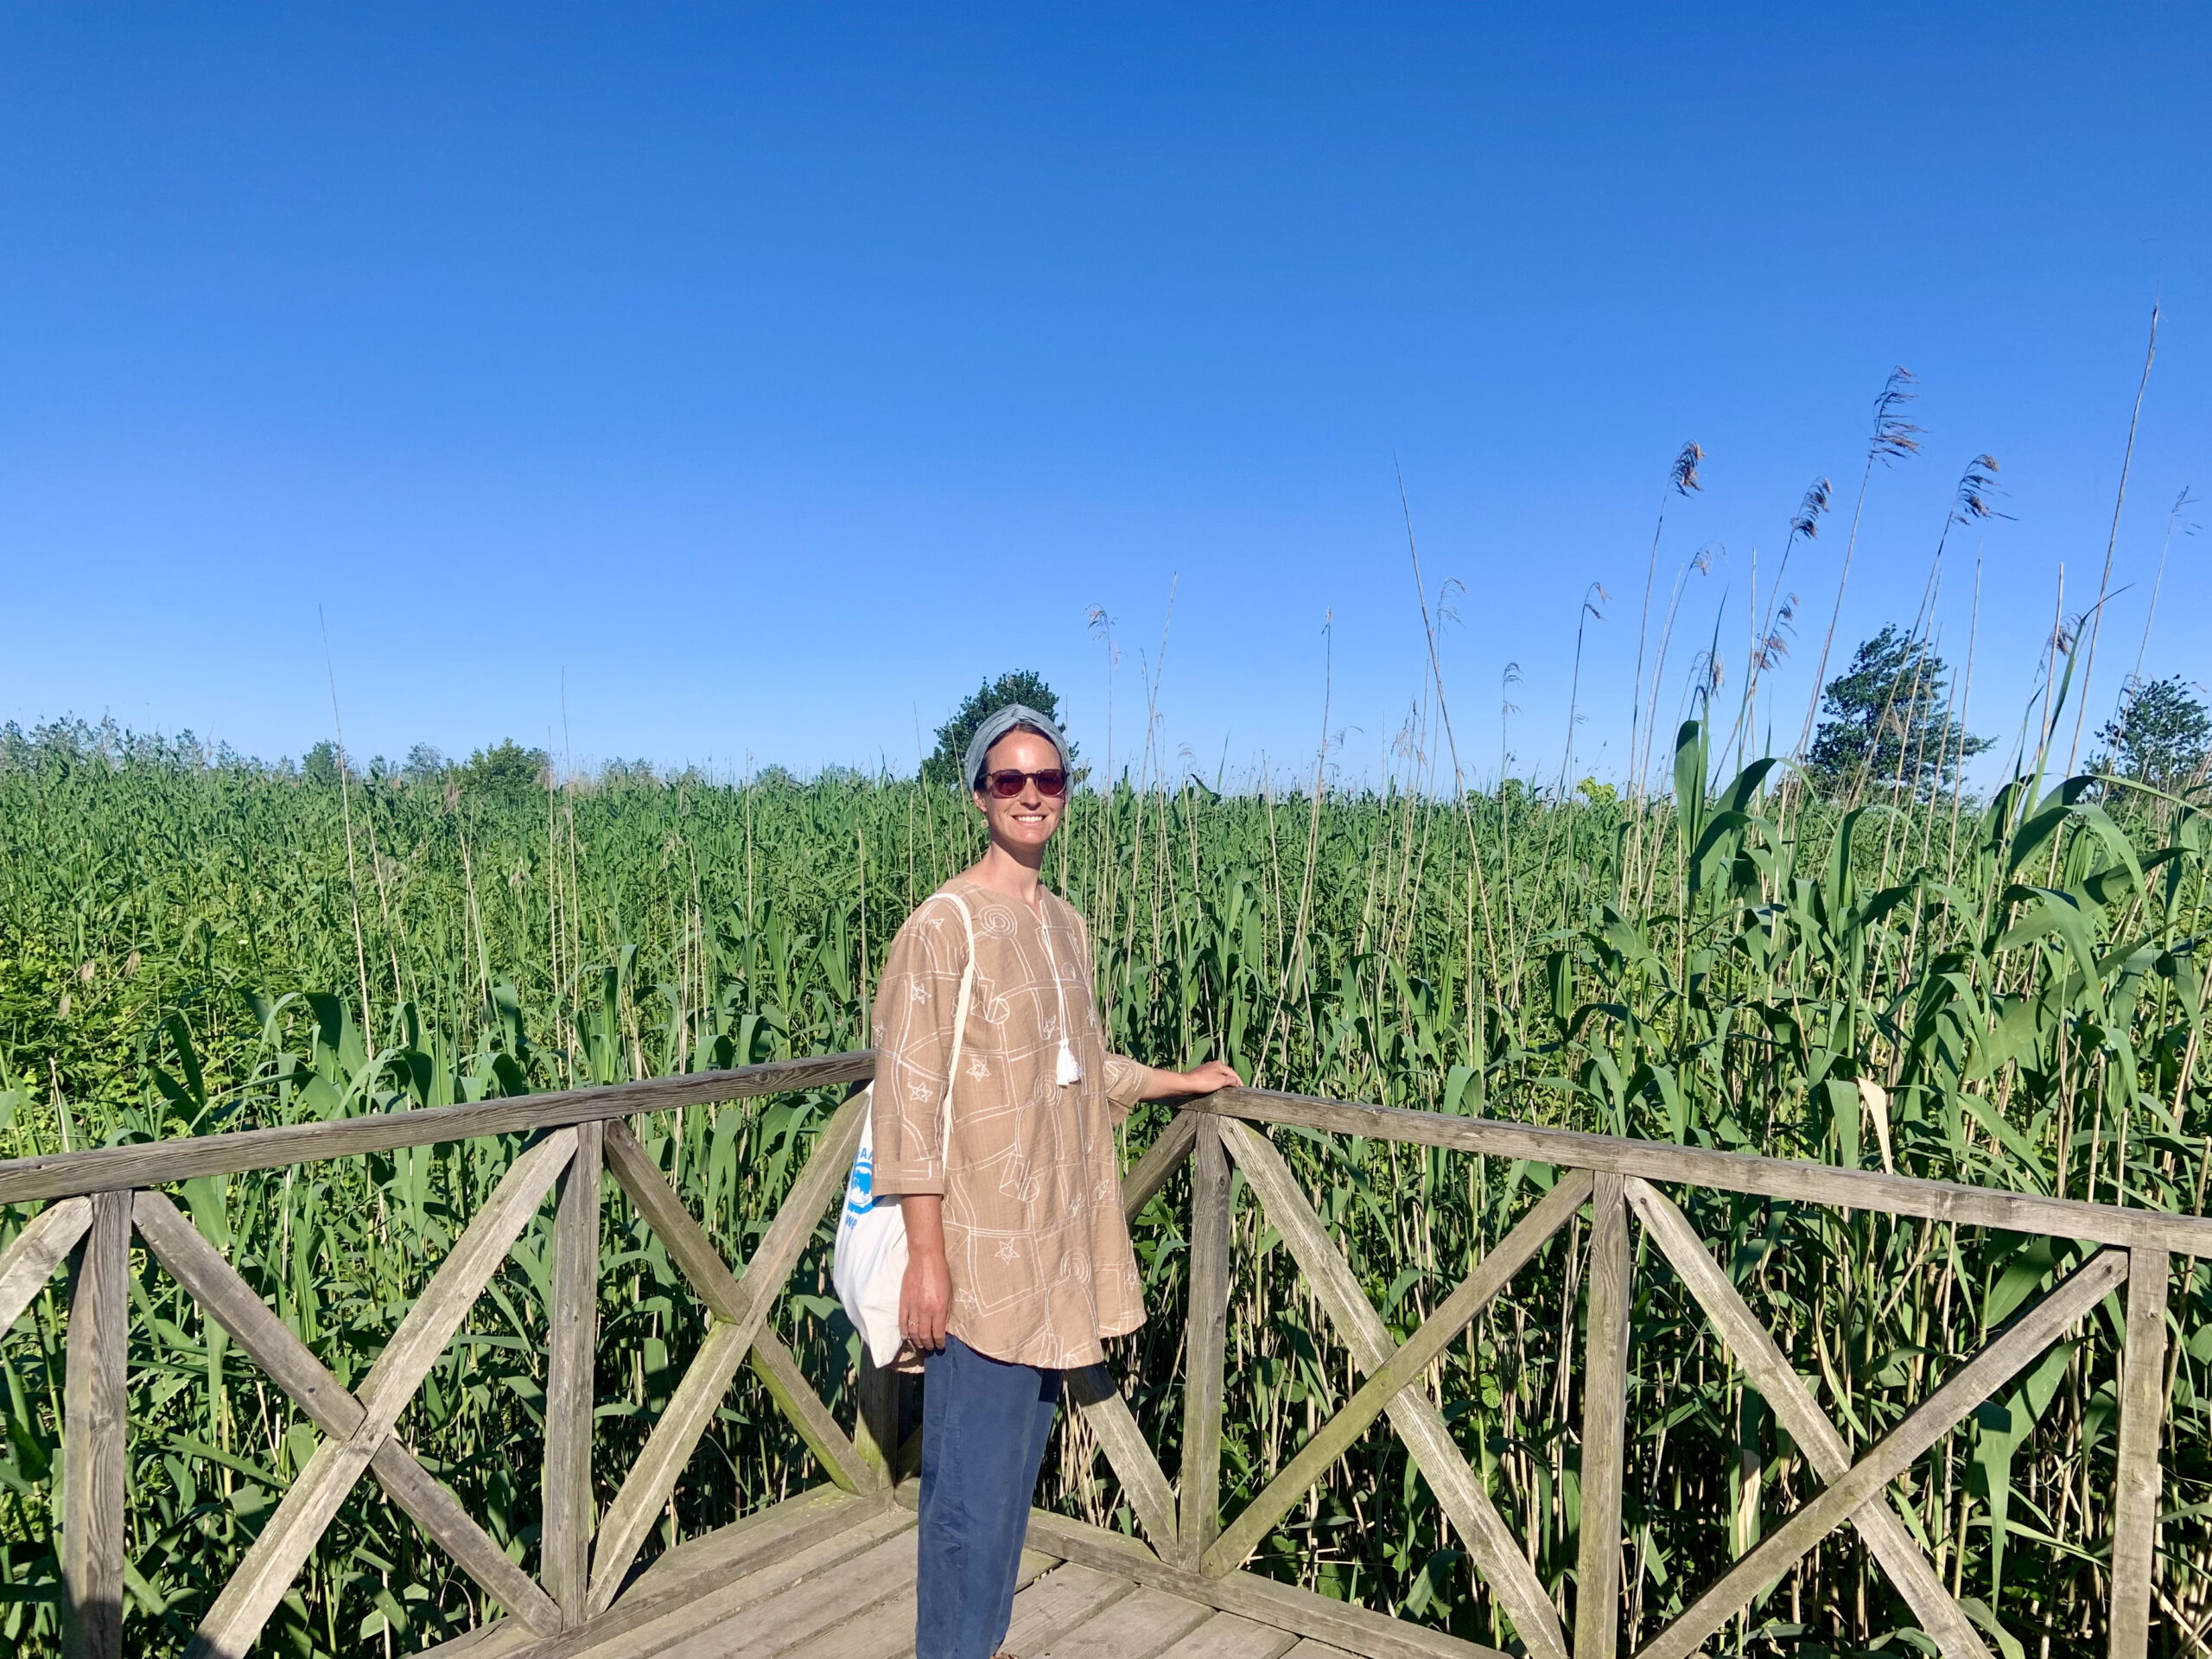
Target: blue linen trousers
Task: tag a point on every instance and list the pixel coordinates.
(984, 1425)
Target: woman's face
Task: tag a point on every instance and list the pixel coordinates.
(1026, 821)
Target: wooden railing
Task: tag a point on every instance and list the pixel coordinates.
(96, 1200)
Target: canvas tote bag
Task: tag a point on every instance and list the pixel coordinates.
(868, 1265)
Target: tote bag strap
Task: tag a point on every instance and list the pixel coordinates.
(959, 1019)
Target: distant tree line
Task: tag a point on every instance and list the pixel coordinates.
(1886, 732)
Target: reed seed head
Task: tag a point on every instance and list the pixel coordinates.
(1895, 437)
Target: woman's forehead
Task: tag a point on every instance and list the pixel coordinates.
(1025, 751)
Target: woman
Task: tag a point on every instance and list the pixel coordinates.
(1018, 1260)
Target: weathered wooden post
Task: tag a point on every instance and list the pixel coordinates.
(571, 1361)
(2136, 1480)
(1604, 1412)
(94, 1407)
(1206, 1345)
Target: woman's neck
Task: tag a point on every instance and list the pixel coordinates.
(1008, 875)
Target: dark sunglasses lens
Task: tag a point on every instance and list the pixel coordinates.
(1007, 784)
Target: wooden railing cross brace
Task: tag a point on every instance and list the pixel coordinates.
(660, 1464)
(226, 1298)
(284, 1544)
(703, 1266)
(1415, 1415)
(1778, 1381)
(1408, 1366)
(1890, 1457)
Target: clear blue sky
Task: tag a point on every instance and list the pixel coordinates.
(771, 374)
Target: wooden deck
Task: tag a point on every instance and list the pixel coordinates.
(829, 1576)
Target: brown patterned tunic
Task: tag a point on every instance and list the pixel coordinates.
(1039, 1257)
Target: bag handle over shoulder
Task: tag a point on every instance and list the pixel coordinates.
(959, 1019)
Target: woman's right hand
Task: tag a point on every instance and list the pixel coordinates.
(925, 1293)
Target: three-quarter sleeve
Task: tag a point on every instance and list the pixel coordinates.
(1125, 1080)
(914, 1009)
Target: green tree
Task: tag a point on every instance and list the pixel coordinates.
(2163, 736)
(1885, 728)
(319, 763)
(507, 771)
(1023, 687)
(424, 765)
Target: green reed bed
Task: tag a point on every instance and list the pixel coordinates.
(2004, 992)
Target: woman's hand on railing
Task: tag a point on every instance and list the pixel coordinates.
(1198, 1080)
(925, 1293)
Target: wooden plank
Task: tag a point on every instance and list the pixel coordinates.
(95, 1420)
(720, 1575)
(571, 1368)
(1107, 1415)
(1406, 1370)
(500, 1639)
(1357, 1630)
(270, 1343)
(2137, 1477)
(883, 1572)
(1136, 1627)
(669, 1447)
(754, 1541)
(1797, 1180)
(1490, 1544)
(1226, 1636)
(1604, 1423)
(703, 1266)
(2029, 1334)
(1205, 1341)
(700, 1598)
(1161, 1159)
(1066, 1597)
(1309, 1649)
(289, 1538)
(1793, 1404)
(885, 1630)
(157, 1163)
(36, 1252)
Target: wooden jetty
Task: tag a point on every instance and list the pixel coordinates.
(831, 1572)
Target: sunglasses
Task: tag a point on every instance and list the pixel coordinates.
(1051, 782)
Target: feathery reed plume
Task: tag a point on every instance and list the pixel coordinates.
(2112, 540)
(1574, 684)
(1771, 644)
(1970, 503)
(1893, 439)
(1807, 522)
(1682, 479)
(1804, 524)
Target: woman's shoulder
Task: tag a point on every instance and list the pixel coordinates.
(939, 916)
